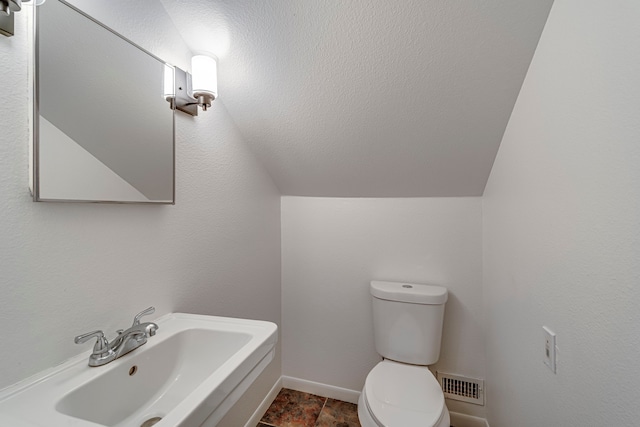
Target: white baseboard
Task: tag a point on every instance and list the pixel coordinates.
(462, 420)
(264, 405)
(320, 389)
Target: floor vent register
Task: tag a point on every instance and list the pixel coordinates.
(461, 388)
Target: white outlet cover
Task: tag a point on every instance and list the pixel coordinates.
(549, 348)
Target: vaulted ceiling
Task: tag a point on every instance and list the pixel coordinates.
(369, 98)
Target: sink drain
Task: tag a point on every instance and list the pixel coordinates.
(151, 422)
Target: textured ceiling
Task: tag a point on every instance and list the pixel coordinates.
(369, 98)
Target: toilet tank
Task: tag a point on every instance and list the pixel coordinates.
(407, 321)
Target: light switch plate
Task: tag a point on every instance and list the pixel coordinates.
(549, 348)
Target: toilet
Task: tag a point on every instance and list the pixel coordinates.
(400, 391)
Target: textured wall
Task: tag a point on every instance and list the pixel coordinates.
(333, 248)
(562, 231)
(71, 268)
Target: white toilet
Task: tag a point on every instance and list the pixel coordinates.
(400, 391)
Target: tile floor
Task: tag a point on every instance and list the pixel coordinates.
(293, 408)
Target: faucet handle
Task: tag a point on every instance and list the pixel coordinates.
(136, 320)
(101, 346)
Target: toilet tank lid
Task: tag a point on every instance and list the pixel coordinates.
(409, 292)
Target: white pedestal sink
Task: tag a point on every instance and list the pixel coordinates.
(189, 374)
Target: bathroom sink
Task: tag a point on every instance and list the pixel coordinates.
(193, 370)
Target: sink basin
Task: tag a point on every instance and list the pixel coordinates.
(193, 370)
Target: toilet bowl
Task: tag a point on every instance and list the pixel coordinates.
(400, 391)
(400, 395)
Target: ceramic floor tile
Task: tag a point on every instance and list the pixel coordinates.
(338, 414)
(293, 408)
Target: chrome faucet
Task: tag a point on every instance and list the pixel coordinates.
(126, 341)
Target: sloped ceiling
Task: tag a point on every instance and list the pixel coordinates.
(369, 98)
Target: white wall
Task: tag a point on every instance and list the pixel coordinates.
(71, 268)
(332, 249)
(562, 227)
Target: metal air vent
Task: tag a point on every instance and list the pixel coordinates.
(461, 388)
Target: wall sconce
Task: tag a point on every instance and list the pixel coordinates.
(205, 80)
(7, 10)
(185, 92)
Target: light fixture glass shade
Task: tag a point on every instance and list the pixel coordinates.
(204, 76)
(169, 86)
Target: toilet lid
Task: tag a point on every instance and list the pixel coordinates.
(400, 395)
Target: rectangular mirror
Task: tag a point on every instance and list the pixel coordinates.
(103, 129)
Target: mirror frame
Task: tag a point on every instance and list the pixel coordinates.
(34, 176)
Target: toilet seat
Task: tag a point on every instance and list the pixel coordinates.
(402, 395)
